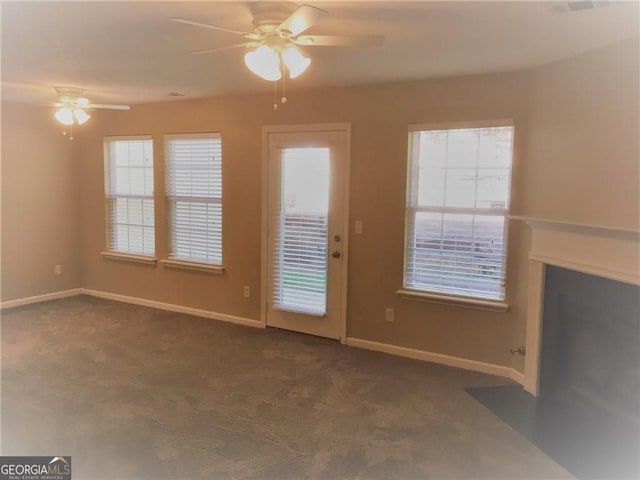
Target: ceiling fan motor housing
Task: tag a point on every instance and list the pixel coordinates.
(268, 15)
(69, 94)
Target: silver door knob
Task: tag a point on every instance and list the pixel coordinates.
(336, 254)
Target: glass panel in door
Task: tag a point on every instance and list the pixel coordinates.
(300, 260)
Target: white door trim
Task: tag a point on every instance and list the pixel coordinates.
(264, 280)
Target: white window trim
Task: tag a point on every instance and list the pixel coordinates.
(461, 125)
(174, 263)
(438, 297)
(129, 257)
(180, 263)
(455, 300)
(124, 138)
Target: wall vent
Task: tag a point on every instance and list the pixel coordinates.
(577, 5)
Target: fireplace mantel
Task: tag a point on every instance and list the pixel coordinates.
(607, 252)
(603, 251)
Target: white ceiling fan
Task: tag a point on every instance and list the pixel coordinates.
(278, 28)
(72, 107)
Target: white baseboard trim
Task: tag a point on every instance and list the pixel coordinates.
(516, 376)
(464, 363)
(170, 307)
(423, 355)
(41, 298)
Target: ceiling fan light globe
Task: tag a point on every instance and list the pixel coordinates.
(295, 62)
(264, 62)
(81, 116)
(64, 116)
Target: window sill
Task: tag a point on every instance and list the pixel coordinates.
(174, 264)
(466, 302)
(130, 257)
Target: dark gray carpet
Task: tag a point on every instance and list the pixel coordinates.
(136, 393)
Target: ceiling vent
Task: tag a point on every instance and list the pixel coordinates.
(578, 5)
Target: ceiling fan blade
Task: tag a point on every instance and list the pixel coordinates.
(88, 105)
(300, 20)
(215, 27)
(339, 40)
(110, 107)
(238, 45)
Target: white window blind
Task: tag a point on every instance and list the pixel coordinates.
(458, 191)
(301, 237)
(194, 197)
(129, 195)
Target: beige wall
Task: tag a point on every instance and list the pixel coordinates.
(576, 140)
(582, 139)
(40, 212)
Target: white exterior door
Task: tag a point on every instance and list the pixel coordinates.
(306, 242)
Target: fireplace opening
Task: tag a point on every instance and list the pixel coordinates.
(590, 372)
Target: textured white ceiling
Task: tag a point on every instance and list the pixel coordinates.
(129, 52)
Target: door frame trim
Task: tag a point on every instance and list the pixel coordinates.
(305, 128)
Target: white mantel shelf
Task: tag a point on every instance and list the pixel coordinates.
(608, 252)
(583, 228)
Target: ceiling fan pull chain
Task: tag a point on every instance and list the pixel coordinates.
(275, 94)
(284, 86)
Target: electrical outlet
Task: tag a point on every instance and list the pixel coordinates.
(359, 227)
(57, 269)
(389, 315)
(246, 291)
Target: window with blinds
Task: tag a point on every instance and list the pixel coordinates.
(130, 212)
(458, 191)
(193, 164)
